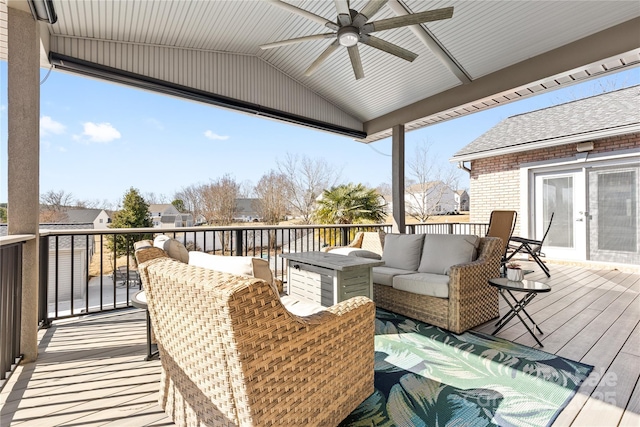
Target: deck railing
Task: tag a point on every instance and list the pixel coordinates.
(10, 303)
(82, 272)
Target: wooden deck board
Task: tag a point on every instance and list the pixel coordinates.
(91, 371)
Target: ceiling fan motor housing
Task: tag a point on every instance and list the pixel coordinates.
(348, 36)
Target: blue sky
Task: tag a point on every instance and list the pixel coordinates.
(99, 139)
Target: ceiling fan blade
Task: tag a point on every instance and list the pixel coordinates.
(368, 11)
(412, 19)
(344, 15)
(320, 59)
(298, 40)
(356, 63)
(311, 16)
(391, 48)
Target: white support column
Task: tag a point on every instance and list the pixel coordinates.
(397, 172)
(24, 161)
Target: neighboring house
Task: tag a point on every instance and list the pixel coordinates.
(246, 210)
(431, 198)
(579, 160)
(462, 200)
(66, 254)
(98, 217)
(167, 216)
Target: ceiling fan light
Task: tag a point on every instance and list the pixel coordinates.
(348, 36)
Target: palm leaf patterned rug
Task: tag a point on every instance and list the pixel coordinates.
(426, 376)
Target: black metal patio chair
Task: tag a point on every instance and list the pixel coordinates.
(531, 247)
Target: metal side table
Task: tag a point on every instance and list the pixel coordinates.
(139, 300)
(531, 289)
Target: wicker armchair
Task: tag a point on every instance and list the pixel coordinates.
(472, 301)
(232, 355)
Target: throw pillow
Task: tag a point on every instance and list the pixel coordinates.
(357, 252)
(441, 251)
(172, 247)
(402, 251)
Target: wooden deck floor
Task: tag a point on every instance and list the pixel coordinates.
(91, 371)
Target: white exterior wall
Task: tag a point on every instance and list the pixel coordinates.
(64, 275)
(102, 221)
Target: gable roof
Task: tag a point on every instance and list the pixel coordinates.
(600, 116)
(246, 207)
(82, 215)
(162, 208)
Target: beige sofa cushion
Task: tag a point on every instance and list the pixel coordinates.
(441, 251)
(384, 275)
(434, 285)
(172, 247)
(402, 251)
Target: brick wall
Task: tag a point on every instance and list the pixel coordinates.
(495, 181)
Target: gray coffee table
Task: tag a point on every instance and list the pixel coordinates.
(531, 288)
(326, 278)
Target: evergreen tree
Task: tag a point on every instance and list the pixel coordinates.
(134, 214)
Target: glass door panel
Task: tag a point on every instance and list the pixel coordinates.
(561, 194)
(614, 232)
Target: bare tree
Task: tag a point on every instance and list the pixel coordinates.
(273, 195)
(190, 197)
(155, 199)
(246, 189)
(218, 200)
(430, 186)
(53, 205)
(56, 201)
(306, 179)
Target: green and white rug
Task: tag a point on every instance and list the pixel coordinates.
(426, 376)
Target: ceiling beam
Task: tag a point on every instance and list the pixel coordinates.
(425, 36)
(605, 44)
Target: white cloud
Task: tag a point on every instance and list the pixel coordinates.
(214, 136)
(98, 132)
(49, 126)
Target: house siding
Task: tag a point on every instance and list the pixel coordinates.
(495, 181)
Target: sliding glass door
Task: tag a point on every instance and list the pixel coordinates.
(597, 216)
(614, 232)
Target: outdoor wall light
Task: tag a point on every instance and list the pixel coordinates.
(43, 10)
(584, 146)
(348, 36)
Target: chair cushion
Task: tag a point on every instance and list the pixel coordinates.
(435, 285)
(239, 265)
(300, 308)
(402, 251)
(360, 253)
(384, 275)
(441, 251)
(172, 247)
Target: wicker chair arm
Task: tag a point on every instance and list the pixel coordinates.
(470, 295)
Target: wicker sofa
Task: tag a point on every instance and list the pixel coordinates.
(457, 298)
(233, 355)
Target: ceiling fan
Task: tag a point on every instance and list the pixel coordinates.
(352, 27)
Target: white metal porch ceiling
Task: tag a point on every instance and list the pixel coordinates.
(213, 47)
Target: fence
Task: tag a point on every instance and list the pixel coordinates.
(82, 271)
(10, 304)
